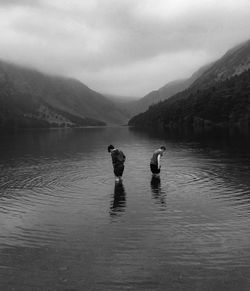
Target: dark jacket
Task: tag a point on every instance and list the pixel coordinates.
(118, 157)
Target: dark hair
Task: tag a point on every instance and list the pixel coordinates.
(163, 148)
(110, 147)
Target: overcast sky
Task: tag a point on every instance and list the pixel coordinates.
(121, 47)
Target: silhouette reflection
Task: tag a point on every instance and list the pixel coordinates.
(157, 193)
(118, 203)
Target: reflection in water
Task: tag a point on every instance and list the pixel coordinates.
(157, 192)
(55, 232)
(118, 203)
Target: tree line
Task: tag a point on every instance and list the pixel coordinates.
(223, 107)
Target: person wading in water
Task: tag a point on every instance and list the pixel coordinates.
(118, 159)
(155, 162)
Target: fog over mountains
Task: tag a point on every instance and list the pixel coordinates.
(234, 62)
(29, 98)
(164, 92)
(217, 98)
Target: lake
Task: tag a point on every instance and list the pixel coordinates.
(66, 225)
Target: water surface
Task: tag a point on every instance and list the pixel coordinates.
(66, 225)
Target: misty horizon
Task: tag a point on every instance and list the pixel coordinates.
(123, 49)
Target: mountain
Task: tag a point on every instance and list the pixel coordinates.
(234, 62)
(158, 95)
(217, 99)
(29, 98)
(163, 93)
(223, 107)
(127, 104)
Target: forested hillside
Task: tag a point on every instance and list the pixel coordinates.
(232, 63)
(225, 106)
(29, 98)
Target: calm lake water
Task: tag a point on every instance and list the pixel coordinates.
(65, 225)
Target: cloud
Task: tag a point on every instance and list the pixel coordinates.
(108, 44)
(142, 77)
(19, 2)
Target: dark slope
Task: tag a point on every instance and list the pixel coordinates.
(163, 93)
(234, 62)
(29, 95)
(207, 94)
(224, 106)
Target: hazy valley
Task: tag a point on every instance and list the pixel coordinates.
(215, 96)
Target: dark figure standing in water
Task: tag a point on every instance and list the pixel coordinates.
(155, 162)
(118, 159)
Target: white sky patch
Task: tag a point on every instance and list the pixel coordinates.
(150, 75)
(72, 5)
(121, 46)
(165, 9)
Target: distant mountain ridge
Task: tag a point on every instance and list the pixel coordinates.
(218, 98)
(165, 92)
(30, 98)
(234, 62)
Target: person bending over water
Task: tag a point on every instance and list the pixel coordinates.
(118, 159)
(155, 162)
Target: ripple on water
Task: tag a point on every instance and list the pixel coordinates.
(68, 207)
